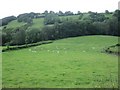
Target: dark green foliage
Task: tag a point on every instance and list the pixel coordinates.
(55, 28)
(32, 35)
(113, 26)
(97, 17)
(6, 20)
(68, 13)
(14, 36)
(107, 12)
(24, 18)
(27, 17)
(117, 15)
(101, 28)
(61, 13)
(25, 46)
(45, 12)
(18, 37)
(80, 16)
(51, 18)
(114, 49)
(79, 13)
(6, 36)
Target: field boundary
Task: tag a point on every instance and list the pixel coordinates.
(108, 50)
(9, 48)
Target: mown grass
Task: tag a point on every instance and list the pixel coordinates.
(71, 63)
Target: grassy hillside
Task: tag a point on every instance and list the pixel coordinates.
(108, 15)
(39, 22)
(72, 62)
(69, 17)
(15, 24)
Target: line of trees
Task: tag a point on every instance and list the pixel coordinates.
(96, 24)
(27, 17)
(6, 20)
(72, 28)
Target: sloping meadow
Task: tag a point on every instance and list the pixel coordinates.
(72, 63)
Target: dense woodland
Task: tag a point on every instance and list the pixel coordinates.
(57, 28)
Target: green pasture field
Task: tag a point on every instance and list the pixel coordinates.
(38, 23)
(67, 63)
(73, 17)
(15, 24)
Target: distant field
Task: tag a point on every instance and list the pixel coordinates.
(15, 24)
(38, 23)
(72, 63)
(69, 17)
(108, 15)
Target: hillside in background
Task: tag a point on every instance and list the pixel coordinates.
(34, 27)
(39, 21)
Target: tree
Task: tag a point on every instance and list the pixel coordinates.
(45, 12)
(32, 35)
(26, 17)
(51, 18)
(80, 16)
(117, 14)
(113, 26)
(60, 13)
(6, 35)
(100, 28)
(78, 12)
(6, 20)
(52, 12)
(68, 13)
(18, 37)
(97, 17)
(107, 12)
